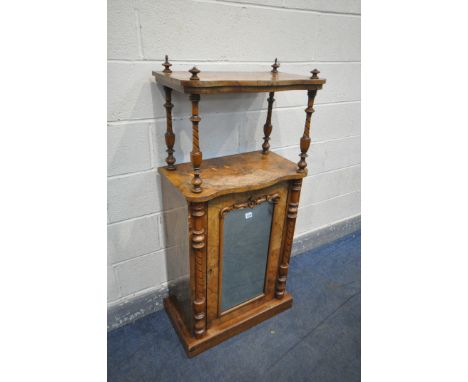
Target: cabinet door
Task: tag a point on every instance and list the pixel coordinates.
(245, 232)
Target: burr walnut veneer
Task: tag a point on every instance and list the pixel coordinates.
(241, 211)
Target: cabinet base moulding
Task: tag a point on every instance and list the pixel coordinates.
(228, 329)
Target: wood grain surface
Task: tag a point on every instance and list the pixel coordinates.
(236, 82)
(234, 173)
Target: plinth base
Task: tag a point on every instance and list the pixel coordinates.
(222, 332)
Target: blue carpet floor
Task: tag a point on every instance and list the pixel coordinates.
(318, 339)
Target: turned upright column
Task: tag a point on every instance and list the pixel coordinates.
(198, 253)
(169, 136)
(305, 140)
(294, 194)
(196, 154)
(293, 206)
(268, 127)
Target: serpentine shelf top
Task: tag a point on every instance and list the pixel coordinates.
(234, 173)
(236, 82)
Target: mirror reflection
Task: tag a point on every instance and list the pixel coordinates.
(246, 236)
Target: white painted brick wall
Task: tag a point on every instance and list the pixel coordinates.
(223, 35)
(128, 148)
(142, 272)
(133, 238)
(131, 196)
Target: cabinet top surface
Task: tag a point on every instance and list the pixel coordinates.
(231, 82)
(234, 173)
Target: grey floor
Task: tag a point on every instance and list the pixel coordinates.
(318, 339)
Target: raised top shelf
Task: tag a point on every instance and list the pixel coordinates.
(236, 82)
(234, 173)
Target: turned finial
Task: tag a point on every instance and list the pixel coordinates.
(315, 73)
(167, 66)
(194, 72)
(275, 66)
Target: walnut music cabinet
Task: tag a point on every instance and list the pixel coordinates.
(241, 212)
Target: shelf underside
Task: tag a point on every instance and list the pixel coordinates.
(234, 173)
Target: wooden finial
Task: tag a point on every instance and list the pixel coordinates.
(167, 66)
(275, 66)
(194, 72)
(315, 73)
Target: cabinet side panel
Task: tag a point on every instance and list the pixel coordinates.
(176, 235)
